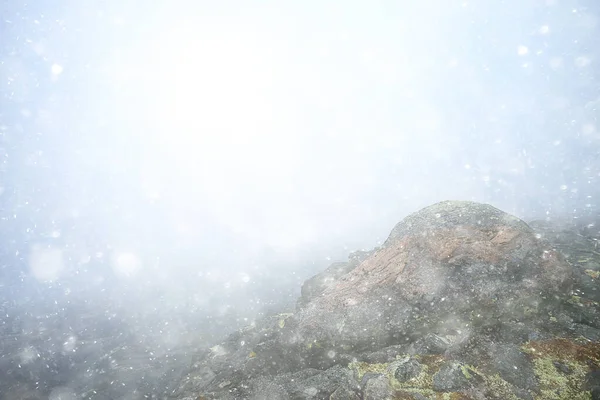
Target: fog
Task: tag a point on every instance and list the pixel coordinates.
(182, 167)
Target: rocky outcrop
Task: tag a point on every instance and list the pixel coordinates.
(451, 268)
(462, 301)
(316, 286)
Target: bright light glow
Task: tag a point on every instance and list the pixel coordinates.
(522, 50)
(215, 127)
(212, 101)
(46, 264)
(126, 265)
(56, 69)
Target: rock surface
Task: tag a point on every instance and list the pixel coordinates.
(316, 286)
(449, 268)
(463, 301)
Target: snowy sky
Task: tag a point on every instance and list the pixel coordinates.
(158, 141)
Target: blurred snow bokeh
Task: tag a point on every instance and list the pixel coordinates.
(46, 264)
(169, 173)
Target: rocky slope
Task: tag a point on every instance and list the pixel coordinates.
(463, 301)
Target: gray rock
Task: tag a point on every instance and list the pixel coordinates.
(315, 384)
(315, 286)
(513, 366)
(384, 355)
(451, 378)
(198, 380)
(406, 369)
(579, 245)
(377, 387)
(411, 396)
(592, 379)
(265, 389)
(458, 278)
(343, 393)
(430, 344)
(448, 266)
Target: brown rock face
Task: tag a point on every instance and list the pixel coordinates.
(451, 267)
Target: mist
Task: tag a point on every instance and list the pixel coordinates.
(180, 168)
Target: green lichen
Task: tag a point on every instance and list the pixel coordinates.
(499, 388)
(423, 383)
(420, 384)
(555, 385)
(592, 274)
(469, 370)
(452, 396)
(282, 317)
(361, 368)
(575, 355)
(578, 356)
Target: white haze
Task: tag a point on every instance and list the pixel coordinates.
(185, 166)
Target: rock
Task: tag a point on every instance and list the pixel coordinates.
(359, 256)
(506, 359)
(316, 285)
(406, 369)
(265, 389)
(199, 380)
(462, 298)
(447, 267)
(383, 355)
(343, 394)
(565, 369)
(430, 344)
(580, 246)
(453, 377)
(513, 366)
(320, 385)
(592, 379)
(410, 396)
(377, 387)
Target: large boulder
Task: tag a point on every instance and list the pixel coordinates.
(449, 269)
(462, 301)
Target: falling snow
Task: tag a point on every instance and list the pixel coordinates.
(168, 181)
